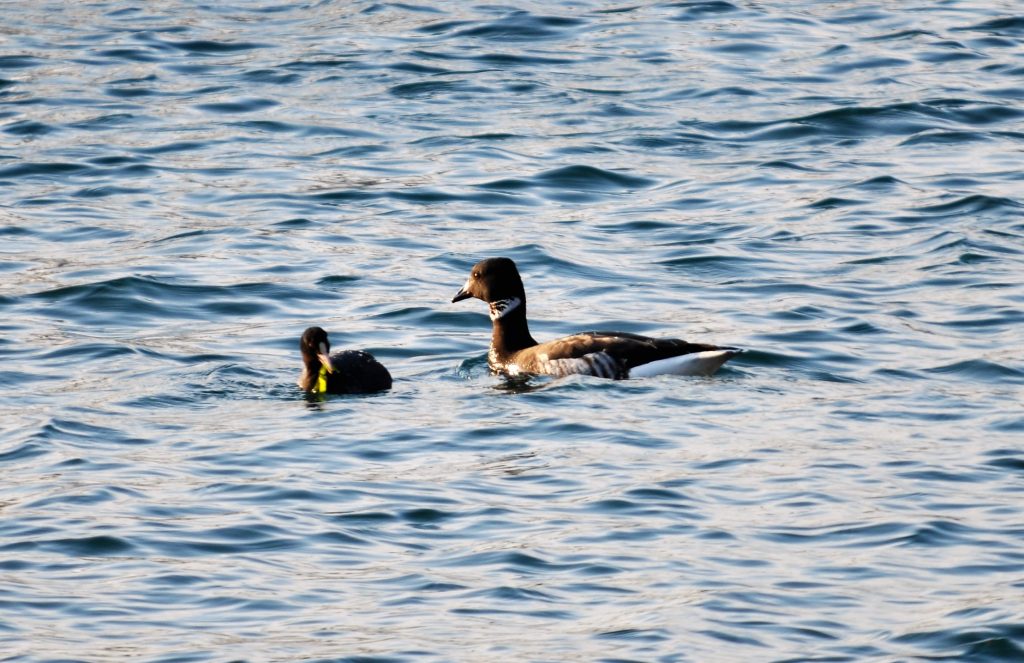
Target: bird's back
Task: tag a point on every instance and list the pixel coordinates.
(602, 354)
(357, 372)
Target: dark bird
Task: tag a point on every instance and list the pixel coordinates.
(616, 355)
(347, 372)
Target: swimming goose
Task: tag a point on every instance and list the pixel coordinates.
(616, 355)
(348, 372)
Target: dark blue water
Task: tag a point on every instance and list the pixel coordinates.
(835, 186)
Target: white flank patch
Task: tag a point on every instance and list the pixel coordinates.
(598, 364)
(503, 306)
(695, 363)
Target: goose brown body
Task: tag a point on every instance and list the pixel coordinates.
(615, 355)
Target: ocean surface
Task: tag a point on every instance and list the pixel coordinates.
(836, 187)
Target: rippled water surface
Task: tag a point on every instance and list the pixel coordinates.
(836, 187)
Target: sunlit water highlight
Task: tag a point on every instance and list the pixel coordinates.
(834, 186)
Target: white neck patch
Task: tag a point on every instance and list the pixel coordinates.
(501, 307)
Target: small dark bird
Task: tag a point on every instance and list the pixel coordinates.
(616, 355)
(347, 372)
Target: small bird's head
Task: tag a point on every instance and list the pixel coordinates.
(316, 349)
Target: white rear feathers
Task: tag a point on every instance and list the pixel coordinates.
(695, 363)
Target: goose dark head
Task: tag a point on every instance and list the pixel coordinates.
(316, 349)
(492, 280)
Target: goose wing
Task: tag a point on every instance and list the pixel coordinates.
(602, 354)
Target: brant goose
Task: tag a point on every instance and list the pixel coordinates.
(348, 372)
(615, 355)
